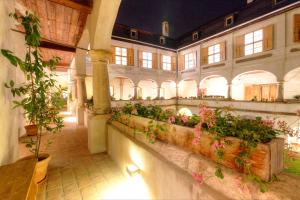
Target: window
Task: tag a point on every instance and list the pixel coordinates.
(162, 40)
(147, 60)
(195, 36)
(121, 56)
(133, 33)
(254, 42)
(190, 60)
(214, 54)
(166, 62)
(229, 20)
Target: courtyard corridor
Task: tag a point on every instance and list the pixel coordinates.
(75, 174)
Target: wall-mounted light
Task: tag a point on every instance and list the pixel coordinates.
(132, 170)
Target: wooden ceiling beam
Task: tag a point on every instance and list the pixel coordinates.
(75, 5)
(56, 46)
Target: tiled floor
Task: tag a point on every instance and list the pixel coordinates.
(74, 173)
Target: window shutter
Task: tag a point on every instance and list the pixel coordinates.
(239, 46)
(268, 38)
(297, 28)
(130, 57)
(180, 62)
(112, 59)
(154, 61)
(223, 50)
(204, 56)
(173, 64)
(140, 58)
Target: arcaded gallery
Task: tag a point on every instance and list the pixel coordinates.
(150, 99)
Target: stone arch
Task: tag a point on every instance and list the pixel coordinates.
(147, 89)
(121, 88)
(292, 83)
(214, 86)
(187, 88)
(255, 85)
(168, 89)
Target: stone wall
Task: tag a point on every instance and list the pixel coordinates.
(11, 121)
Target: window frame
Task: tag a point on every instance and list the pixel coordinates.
(121, 56)
(147, 57)
(190, 61)
(216, 53)
(166, 65)
(254, 45)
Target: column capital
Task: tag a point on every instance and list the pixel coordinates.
(100, 55)
(79, 76)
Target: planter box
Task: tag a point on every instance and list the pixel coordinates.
(267, 159)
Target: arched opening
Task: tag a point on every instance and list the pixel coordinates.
(187, 88)
(255, 86)
(291, 84)
(147, 89)
(185, 111)
(214, 87)
(168, 89)
(122, 88)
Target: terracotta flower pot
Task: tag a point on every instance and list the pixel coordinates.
(31, 130)
(42, 167)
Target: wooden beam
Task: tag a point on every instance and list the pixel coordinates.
(75, 5)
(56, 46)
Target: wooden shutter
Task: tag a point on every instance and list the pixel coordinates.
(140, 58)
(173, 63)
(180, 62)
(154, 61)
(297, 28)
(204, 56)
(239, 46)
(112, 59)
(223, 50)
(268, 38)
(130, 57)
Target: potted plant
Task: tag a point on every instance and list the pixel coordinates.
(39, 96)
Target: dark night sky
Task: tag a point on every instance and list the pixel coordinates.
(183, 15)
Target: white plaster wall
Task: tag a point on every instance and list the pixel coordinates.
(187, 88)
(215, 86)
(292, 84)
(168, 90)
(128, 88)
(11, 121)
(148, 88)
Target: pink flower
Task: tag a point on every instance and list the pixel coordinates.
(269, 123)
(184, 118)
(218, 144)
(198, 177)
(172, 120)
(240, 185)
(207, 116)
(298, 112)
(196, 140)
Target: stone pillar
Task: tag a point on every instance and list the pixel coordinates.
(81, 98)
(158, 92)
(121, 88)
(280, 93)
(135, 92)
(97, 121)
(229, 92)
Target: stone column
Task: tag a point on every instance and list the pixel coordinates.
(121, 88)
(81, 98)
(97, 122)
(280, 94)
(158, 92)
(135, 92)
(229, 92)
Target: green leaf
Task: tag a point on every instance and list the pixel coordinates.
(219, 173)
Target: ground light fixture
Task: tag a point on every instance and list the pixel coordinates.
(132, 170)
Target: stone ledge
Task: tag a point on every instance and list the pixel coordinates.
(189, 163)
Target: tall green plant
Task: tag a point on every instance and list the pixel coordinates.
(39, 96)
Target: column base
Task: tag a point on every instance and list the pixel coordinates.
(80, 116)
(97, 133)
